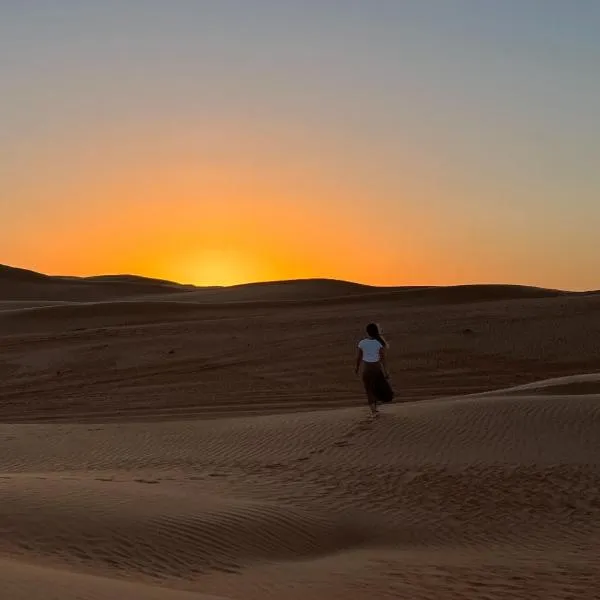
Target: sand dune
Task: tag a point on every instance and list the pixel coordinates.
(233, 507)
(22, 285)
(181, 447)
(18, 285)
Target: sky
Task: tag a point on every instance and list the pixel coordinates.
(389, 142)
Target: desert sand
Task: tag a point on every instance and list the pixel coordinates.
(166, 442)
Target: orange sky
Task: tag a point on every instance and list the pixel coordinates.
(153, 205)
(174, 213)
(229, 142)
(237, 207)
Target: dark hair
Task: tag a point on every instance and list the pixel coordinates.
(373, 331)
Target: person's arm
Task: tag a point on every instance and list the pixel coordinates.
(383, 361)
(359, 356)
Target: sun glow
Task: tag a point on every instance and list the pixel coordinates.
(216, 267)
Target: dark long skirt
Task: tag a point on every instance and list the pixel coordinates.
(377, 387)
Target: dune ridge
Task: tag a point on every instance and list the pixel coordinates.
(28, 286)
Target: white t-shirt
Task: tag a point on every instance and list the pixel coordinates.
(370, 349)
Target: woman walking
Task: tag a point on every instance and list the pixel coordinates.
(372, 356)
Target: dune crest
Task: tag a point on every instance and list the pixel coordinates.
(28, 286)
(585, 383)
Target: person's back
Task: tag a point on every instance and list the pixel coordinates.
(371, 350)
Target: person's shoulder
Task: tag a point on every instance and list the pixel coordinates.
(362, 342)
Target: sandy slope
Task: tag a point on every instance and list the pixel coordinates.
(112, 487)
(473, 496)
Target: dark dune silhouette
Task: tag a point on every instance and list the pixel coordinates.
(22, 285)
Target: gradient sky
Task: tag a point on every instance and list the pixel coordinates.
(224, 141)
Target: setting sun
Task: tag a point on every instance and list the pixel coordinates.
(217, 267)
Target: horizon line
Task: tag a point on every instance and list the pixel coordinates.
(160, 280)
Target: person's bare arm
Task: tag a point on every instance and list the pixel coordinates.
(383, 360)
(359, 357)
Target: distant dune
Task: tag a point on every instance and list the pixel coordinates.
(22, 285)
(8, 274)
(18, 285)
(134, 279)
(167, 442)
